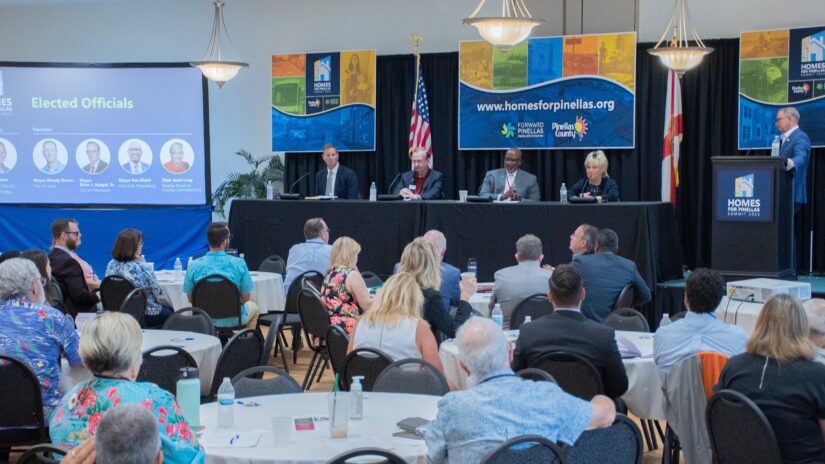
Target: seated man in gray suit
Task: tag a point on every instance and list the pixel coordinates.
(510, 182)
(516, 283)
(605, 274)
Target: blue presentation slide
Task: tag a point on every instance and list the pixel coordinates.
(74, 135)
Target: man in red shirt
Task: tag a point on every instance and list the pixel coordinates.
(422, 183)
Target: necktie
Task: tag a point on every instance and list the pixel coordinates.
(330, 183)
(135, 169)
(93, 169)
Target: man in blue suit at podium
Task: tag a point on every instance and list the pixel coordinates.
(336, 179)
(795, 149)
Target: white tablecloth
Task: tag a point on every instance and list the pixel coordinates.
(204, 348)
(644, 392)
(268, 291)
(381, 412)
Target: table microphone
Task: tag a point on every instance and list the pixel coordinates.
(294, 196)
(389, 190)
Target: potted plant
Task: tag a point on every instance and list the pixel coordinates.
(265, 169)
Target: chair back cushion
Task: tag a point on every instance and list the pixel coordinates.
(739, 431)
(113, 292)
(574, 374)
(190, 320)
(414, 376)
(244, 350)
(534, 306)
(162, 364)
(619, 443)
(367, 362)
(250, 382)
(218, 296)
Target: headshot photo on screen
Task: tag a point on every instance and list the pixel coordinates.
(92, 156)
(50, 156)
(177, 156)
(8, 156)
(135, 156)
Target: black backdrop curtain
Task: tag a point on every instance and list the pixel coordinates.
(709, 101)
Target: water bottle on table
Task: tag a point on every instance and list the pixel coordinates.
(472, 266)
(563, 194)
(270, 191)
(356, 392)
(226, 404)
(178, 269)
(497, 315)
(373, 192)
(665, 320)
(775, 146)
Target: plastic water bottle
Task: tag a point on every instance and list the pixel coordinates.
(563, 194)
(665, 320)
(775, 146)
(270, 191)
(497, 316)
(189, 263)
(226, 404)
(178, 269)
(373, 192)
(356, 397)
(472, 266)
(188, 394)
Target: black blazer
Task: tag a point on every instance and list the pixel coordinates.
(346, 183)
(571, 331)
(608, 188)
(69, 275)
(432, 185)
(438, 316)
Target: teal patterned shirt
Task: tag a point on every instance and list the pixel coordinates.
(218, 262)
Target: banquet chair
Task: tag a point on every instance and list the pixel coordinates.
(411, 375)
(389, 456)
(315, 320)
(535, 306)
(367, 362)
(289, 317)
(135, 305)
(250, 382)
(621, 443)
(273, 263)
(244, 350)
(44, 453)
(273, 339)
(627, 319)
(337, 344)
(221, 299)
(531, 373)
(190, 319)
(113, 292)
(513, 451)
(739, 431)
(574, 374)
(21, 414)
(372, 279)
(162, 364)
(626, 297)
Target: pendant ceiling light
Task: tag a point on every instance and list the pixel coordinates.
(213, 66)
(678, 54)
(512, 28)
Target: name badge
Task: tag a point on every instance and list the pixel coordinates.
(411, 187)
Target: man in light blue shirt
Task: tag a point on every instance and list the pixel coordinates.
(699, 330)
(500, 405)
(234, 269)
(312, 255)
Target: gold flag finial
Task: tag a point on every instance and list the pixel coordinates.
(416, 40)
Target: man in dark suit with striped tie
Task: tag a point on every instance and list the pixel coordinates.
(336, 179)
(795, 149)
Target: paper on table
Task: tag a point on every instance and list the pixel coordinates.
(230, 438)
(308, 424)
(627, 348)
(345, 444)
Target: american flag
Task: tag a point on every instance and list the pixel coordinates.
(420, 118)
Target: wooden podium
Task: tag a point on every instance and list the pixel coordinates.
(752, 217)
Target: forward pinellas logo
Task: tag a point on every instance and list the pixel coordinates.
(508, 130)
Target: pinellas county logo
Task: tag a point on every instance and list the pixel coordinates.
(571, 130)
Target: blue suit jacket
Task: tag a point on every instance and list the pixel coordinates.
(450, 278)
(432, 185)
(604, 276)
(346, 183)
(798, 148)
(128, 167)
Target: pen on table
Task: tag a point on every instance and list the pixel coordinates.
(234, 438)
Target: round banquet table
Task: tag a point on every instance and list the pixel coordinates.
(381, 413)
(205, 349)
(643, 398)
(268, 290)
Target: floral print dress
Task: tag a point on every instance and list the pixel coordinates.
(80, 411)
(343, 310)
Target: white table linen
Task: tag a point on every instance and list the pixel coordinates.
(381, 413)
(267, 293)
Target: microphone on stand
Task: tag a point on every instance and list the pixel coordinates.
(389, 190)
(294, 196)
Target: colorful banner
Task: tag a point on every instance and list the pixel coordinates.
(572, 92)
(320, 98)
(778, 68)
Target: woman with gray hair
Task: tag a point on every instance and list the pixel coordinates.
(598, 183)
(33, 332)
(110, 346)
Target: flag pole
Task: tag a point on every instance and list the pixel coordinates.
(416, 40)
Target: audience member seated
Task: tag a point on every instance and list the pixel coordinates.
(450, 275)
(566, 329)
(234, 269)
(312, 255)
(777, 372)
(515, 283)
(110, 345)
(41, 261)
(420, 259)
(598, 183)
(344, 292)
(126, 256)
(71, 272)
(500, 405)
(605, 274)
(699, 330)
(33, 332)
(583, 240)
(9, 254)
(394, 324)
(815, 310)
(128, 434)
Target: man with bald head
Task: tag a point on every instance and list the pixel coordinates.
(510, 182)
(135, 165)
